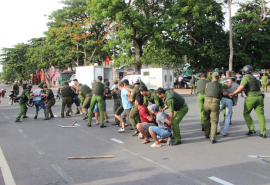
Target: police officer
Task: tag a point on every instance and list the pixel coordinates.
(15, 88)
(107, 95)
(42, 83)
(201, 91)
(134, 117)
(152, 97)
(24, 86)
(264, 82)
(50, 101)
(98, 92)
(193, 85)
(86, 94)
(66, 99)
(254, 100)
(178, 108)
(24, 98)
(213, 95)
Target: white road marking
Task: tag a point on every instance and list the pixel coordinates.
(63, 174)
(7, 175)
(24, 135)
(11, 122)
(151, 161)
(219, 180)
(116, 140)
(37, 148)
(6, 117)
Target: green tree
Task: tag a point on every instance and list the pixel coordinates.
(41, 55)
(134, 22)
(15, 59)
(251, 32)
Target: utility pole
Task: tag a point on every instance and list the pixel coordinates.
(231, 36)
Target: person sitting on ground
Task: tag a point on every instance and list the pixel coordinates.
(163, 130)
(146, 119)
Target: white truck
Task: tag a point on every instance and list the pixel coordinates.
(157, 77)
(87, 74)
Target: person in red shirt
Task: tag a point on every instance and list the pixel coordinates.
(146, 120)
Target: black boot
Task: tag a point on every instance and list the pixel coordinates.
(251, 132)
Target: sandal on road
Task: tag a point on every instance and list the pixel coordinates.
(145, 141)
(224, 135)
(154, 145)
(96, 123)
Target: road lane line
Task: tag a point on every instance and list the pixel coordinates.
(149, 160)
(6, 117)
(37, 148)
(219, 180)
(117, 141)
(24, 135)
(7, 175)
(62, 173)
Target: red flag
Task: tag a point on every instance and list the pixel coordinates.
(107, 60)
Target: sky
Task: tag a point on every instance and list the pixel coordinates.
(22, 20)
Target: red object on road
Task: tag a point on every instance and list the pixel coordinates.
(2, 92)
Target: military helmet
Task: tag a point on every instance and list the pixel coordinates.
(247, 69)
(29, 86)
(136, 80)
(107, 83)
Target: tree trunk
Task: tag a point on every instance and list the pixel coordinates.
(138, 54)
(231, 37)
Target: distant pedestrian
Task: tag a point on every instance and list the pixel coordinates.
(264, 82)
(193, 85)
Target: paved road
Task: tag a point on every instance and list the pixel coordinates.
(36, 152)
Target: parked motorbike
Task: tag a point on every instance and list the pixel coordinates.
(2, 92)
(58, 96)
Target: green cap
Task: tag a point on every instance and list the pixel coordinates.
(215, 75)
(79, 84)
(115, 81)
(44, 86)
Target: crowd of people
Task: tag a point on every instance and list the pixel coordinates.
(145, 108)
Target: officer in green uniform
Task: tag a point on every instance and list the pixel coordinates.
(80, 96)
(16, 88)
(213, 95)
(264, 82)
(178, 108)
(134, 117)
(201, 96)
(209, 78)
(66, 99)
(41, 85)
(152, 97)
(24, 98)
(24, 85)
(254, 100)
(86, 94)
(193, 85)
(98, 92)
(50, 101)
(117, 101)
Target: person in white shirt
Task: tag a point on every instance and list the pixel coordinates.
(180, 78)
(239, 77)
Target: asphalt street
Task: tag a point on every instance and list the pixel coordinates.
(36, 151)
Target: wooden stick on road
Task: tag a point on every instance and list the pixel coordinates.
(93, 157)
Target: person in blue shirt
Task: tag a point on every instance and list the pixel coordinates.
(38, 101)
(127, 105)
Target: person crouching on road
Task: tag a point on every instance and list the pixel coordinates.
(38, 101)
(50, 101)
(178, 108)
(163, 130)
(24, 98)
(146, 119)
